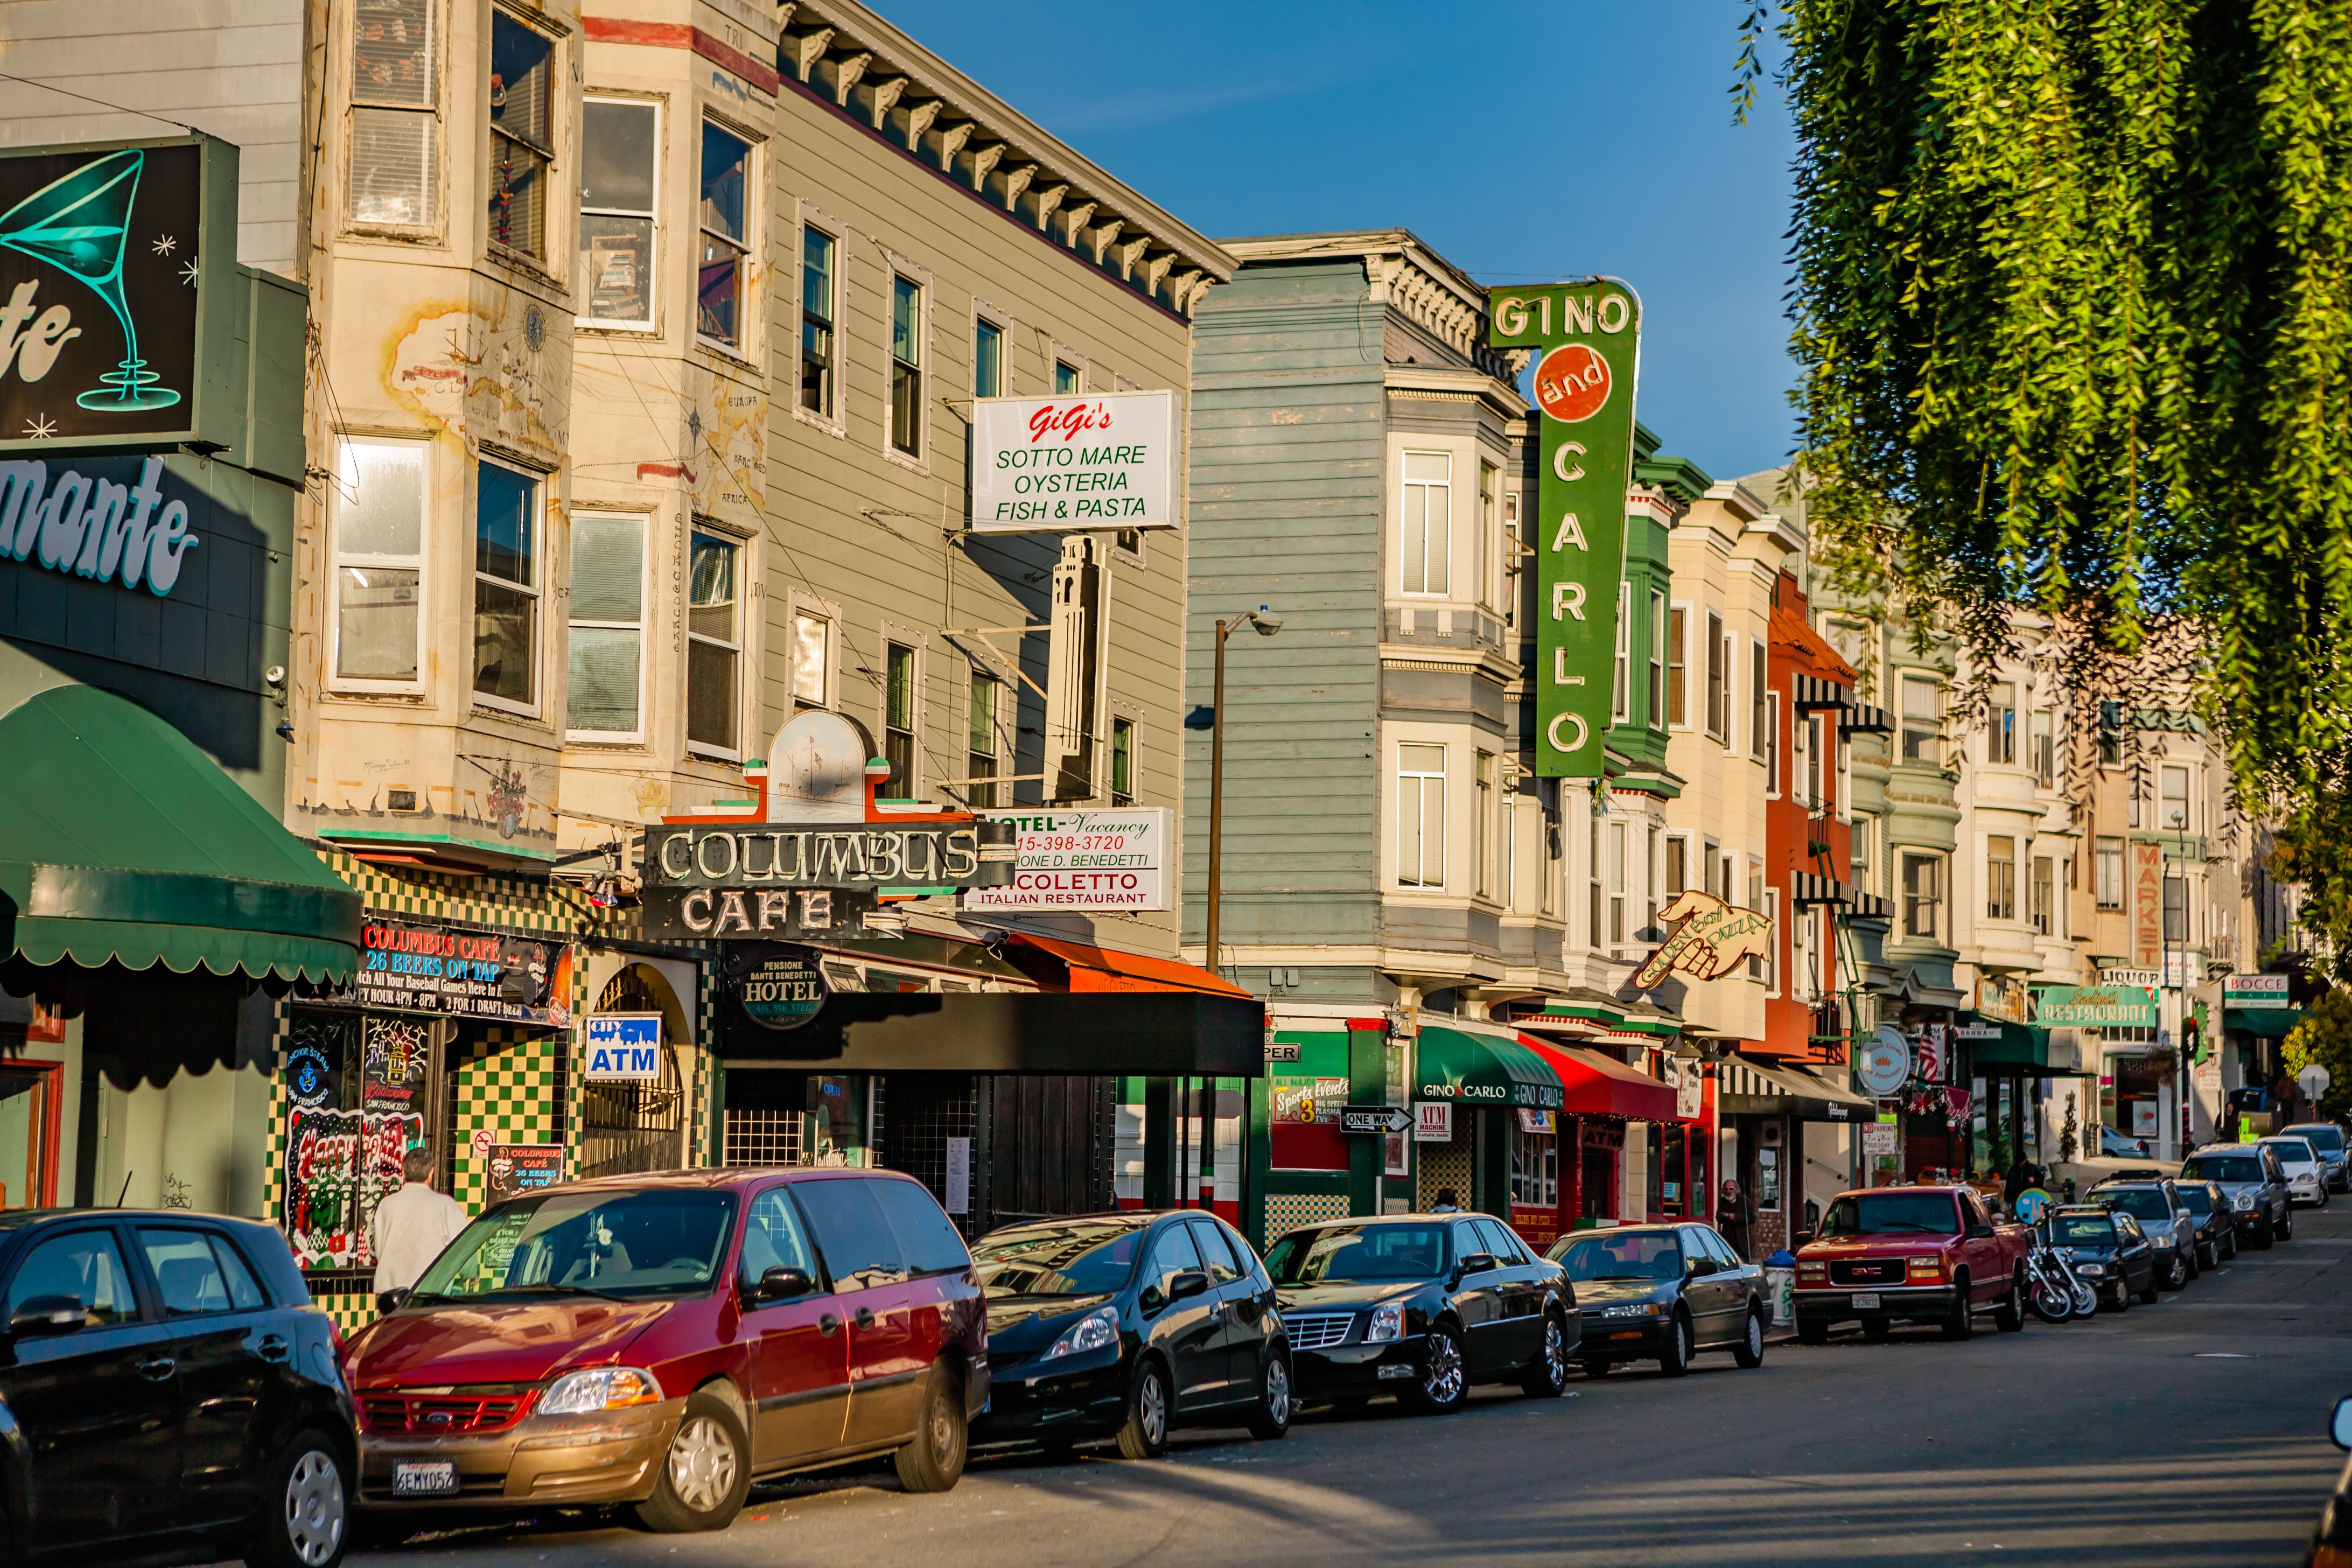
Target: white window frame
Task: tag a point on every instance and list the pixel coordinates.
(925, 363)
(1660, 659)
(1776, 766)
(476, 576)
(1421, 884)
(546, 259)
(2188, 823)
(804, 607)
(895, 635)
(643, 626)
(1621, 675)
(1941, 861)
(1680, 680)
(747, 305)
(1903, 679)
(419, 562)
(436, 189)
(1490, 515)
(1759, 685)
(1444, 553)
(1718, 722)
(651, 323)
(1991, 882)
(2000, 725)
(1621, 931)
(741, 647)
(832, 419)
(1772, 941)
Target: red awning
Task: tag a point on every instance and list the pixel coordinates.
(1602, 1086)
(1108, 969)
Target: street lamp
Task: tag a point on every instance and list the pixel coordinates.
(1267, 624)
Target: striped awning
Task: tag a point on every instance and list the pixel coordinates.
(1815, 692)
(1865, 719)
(1789, 1090)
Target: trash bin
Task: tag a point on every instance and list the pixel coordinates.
(1781, 1285)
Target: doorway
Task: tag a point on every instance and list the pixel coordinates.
(32, 1114)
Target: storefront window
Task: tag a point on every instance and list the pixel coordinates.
(358, 1088)
(1535, 1169)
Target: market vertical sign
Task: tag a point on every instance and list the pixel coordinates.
(118, 296)
(1589, 334)
(2147, 905)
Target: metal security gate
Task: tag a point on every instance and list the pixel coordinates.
(1043, 1147)
(626, 1128)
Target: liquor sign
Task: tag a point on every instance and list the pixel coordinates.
(2147, 905)
(624, 1047)
(118, 294)
(1589, 333)
(2095, 1006)
(1710, 939)
(2266, 991)
(1067, 465)
(407, 968)
(1084, 861)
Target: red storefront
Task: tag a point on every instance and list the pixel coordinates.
(1606, 1103)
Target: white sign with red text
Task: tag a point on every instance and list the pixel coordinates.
(1084, 862)
(1067, 465)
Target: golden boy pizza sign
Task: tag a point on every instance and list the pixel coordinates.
(1712, 939)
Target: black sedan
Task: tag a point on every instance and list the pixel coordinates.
(167, 1392)
(2217, 1232)
(1127, 1326)
(2108, 1250)
(1421, 1306)
(1662, 1293)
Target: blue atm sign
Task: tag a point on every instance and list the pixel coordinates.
(624, 1047)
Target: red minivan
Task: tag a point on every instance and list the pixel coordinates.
(663, 1340)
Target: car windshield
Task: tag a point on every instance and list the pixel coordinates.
(2295, 1153)
(2327, 1140)
(2082, 1230)
(2140, 1202)
(1880, 1214)
(2222, 1167)
(1342, 1254)
(1644, 1255)
(660, 1241)
(1078, 1259)
(2196, 1200)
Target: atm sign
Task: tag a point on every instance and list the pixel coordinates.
(624, 1047)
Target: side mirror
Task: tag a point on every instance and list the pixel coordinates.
(1479, 1263)
(387, 1302)
(1695, 1267)
(1980, 1233)
(1191, 1282)
(782, 1284)
(2340, 1428)
(44, 1315)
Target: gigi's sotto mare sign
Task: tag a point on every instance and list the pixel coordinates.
(780, 880)
(1065, 465)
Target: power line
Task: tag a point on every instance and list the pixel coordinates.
(118, 109)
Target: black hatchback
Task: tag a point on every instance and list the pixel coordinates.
(1127, 1326)
(1421, 1307)
(167, 1392)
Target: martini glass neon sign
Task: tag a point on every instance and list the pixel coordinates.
(78, 223)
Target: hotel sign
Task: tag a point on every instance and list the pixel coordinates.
(1588, 335)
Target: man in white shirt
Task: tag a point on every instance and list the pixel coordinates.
(412, 1226)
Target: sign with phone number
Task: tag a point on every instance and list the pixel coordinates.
(1084, 861)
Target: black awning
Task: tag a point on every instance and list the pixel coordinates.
(1812, 888)
(1146, 1034)
(1865, 719)
(1815, 692)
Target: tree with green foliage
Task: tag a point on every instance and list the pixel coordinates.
(2072, 306)
(2325, 1036)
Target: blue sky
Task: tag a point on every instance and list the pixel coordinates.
(1523, 140)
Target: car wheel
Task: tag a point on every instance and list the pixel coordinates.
(1597, 1368)
(2010, 1316)
(1144, 1433)
(2147, 1296)
(1445, 1383)
(933, 1462)
(1674, 1357)
(1748, 1351)
(2176, 1274)
(2265, 1234)
(2122, 1302)
(2286, 1225)
(1271, 1418)
(306, 1509)
(1959, 1323)
(1546, 1376)
(1877, 1328)
(1812, 1331)
(705, 1474)
(2231, 1239)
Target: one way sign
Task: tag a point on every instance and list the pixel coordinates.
(1374, 1119)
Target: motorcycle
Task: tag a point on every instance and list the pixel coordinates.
(2056, 1293)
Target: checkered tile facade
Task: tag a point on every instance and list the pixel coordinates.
(1288, 1211)
(1444, 1165)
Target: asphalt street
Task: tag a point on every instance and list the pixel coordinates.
(2193, 1431)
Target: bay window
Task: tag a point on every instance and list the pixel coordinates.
(714, 645)
(379, 515)
(506, 584)
(1420, 816)
(719, 313)
(607, 632)
(522, 134)
(620, 141)
(395, 154)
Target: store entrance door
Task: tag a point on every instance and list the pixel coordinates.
(31, 1114)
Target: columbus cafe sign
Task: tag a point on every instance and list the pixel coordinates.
(1588, 333)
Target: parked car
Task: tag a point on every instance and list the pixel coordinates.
(1421, 1306)
(2217, 1228)
(2108, 1250)
(2114, 1145)
(661, 1340)
(1663, 1293)
(2255, 1182)
(2331, 1541)
(1910, 1255)
(168, 1393)
(2327, 1140)
(2300, 1161)
(2170, 1229)
(1127, 1326)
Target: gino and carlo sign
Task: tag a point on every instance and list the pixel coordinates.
(118, 304)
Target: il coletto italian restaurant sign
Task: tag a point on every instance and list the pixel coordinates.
(780, 879)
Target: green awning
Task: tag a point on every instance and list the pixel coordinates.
(1477, 1068)
(2020, 1045)
(2269, 1023)
(121, 842)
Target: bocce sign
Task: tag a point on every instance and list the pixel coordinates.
(624, 1047)
(1065, 464)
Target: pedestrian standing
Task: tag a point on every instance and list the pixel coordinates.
(412, 1226)
(1731, 1216)
(1448, 1202)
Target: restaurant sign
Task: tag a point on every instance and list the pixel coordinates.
(2266, 991)
(409, 968)
(1084, 862)
(1711, 938)
(806, 881)
(2095, 1006)
(1065, 464)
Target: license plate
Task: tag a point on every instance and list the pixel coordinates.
(425, 1477)
(1866, 1299)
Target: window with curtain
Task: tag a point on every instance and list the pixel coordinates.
(819, 303)
(2001, 878)
(607, 630)
(2108, 873)
(714, 641)
(725, 210)
(396, 155)
(1923, 896)
(1677, 666)
(898, 718)
(506, 584)
(1923, 721)
(1484, 823)
(906, 366)
(1718, 680)
(1425, 529)
(810, 660)
(979, 743)
(987, 359)
(2041, 895)
(1420, 816)
(378, 510)
(620, 141)
(2000, 725)
(521, 111)
(1123, 762)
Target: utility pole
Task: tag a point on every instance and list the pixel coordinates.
(1267, 624)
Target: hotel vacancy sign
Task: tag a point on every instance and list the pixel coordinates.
(1067, 465)
(1588, 333)
(1084, 861)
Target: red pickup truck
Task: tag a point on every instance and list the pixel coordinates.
(1918, 1254)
